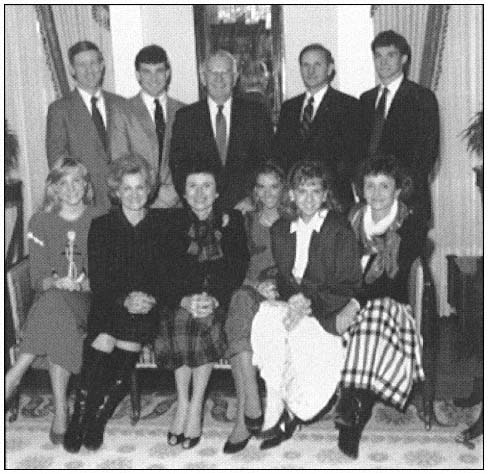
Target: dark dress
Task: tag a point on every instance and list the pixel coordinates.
(123, 258)
(190, 341)
(56, 322)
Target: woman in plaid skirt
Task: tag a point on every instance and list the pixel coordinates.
(383, 347)
(212, 256)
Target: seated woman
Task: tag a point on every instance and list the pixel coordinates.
(127, 260)
(56, 323)
(260, 283)
(211, 257)
(296, 342)
(391, 238)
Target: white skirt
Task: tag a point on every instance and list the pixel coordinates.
(303, 365)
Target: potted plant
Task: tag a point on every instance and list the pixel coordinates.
(11, 151)
(473, 135)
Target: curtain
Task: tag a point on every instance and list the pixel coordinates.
(408, 20)
(435, 35)
(85, 22)
(28, 91)
(458, 223)
(52, 49)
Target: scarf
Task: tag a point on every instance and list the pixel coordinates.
(206, 236)
(380, 239)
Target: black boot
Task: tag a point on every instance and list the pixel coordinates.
(362, 402)
(123, 363)
(347, 409)
(93, 373)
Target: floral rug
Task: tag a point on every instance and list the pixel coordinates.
(391, 440)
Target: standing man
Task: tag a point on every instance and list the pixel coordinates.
(322, 124)
(401, 117)
(145, 127)
(229, 134)
(79, 124)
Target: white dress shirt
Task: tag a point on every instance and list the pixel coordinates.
(392, 90)
(214, 108)
(100, 103)
(317, 99)
(151, 106)
(303, 236)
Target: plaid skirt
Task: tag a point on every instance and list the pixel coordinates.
(185, 340)
(383, 351)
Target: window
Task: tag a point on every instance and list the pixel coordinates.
(253, 34)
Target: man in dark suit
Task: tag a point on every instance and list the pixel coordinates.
(322, 124)
(79, 124)
(401, 117)
(145, 127)
(228, 134)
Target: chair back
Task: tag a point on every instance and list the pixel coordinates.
(21, 297)
(20, 293)
(416, 291)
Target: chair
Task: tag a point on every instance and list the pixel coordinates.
(21, 296)
(419, 287)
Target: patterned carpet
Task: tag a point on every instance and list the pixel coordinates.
(391, 440)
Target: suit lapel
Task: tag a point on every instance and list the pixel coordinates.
(235, 126)
(144, 118)
(315, 247)
(396, 104)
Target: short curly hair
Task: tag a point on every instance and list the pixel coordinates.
(387, 165)
(130, 164)
(305, 170)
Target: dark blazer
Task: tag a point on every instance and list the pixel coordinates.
(123, 258)
(333, 273)
(335, 138)
(222, 276)
(135, 132)
(71, 130)
(411, 133)
(249, 145)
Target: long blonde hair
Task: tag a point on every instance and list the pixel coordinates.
(62, 167)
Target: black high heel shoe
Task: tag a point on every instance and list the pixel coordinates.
(281, 432)
(231, 448)
(174, 439)
(254, 425)
(189, 443)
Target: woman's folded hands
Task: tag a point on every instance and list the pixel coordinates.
(200, 305)
(138, 302)
(299, 307)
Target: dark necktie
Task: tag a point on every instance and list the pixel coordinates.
(98, 121)
(307, 118)
(379, 121)
(160, 129)
(221, 134)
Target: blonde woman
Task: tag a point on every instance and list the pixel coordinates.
(56, 323)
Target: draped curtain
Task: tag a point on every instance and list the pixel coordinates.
(85, 22)
(28, 92)
(446, 42)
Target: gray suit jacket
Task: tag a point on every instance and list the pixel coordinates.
(71, 131)
(134, 131)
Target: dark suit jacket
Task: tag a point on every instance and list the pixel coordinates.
(335, 138)
(333, 273)
(135, 132)
(249, 145)
(411, 133)
(71, 130)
